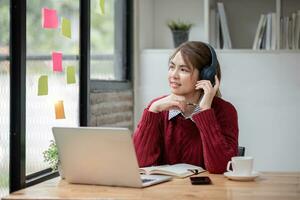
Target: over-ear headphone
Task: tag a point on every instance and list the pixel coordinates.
(209, 72)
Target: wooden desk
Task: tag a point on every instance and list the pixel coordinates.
(283, 186)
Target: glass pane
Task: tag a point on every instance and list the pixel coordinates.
(43, 41)
(102, 28)
(40, 110)
(105, 72)
(4, 127)
(107, 31)
(4, 98)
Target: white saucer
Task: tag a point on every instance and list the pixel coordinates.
(232, 176)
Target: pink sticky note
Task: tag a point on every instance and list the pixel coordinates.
(49, 18)
(57, 61)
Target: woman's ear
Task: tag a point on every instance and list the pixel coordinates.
(218, 94)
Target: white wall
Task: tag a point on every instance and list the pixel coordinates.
(145, 23)
(265, 89)
(154, 15)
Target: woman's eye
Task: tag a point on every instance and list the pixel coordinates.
(184, 70)
(171, 67)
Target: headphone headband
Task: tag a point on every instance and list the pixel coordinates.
(213, 56)
(209, 72)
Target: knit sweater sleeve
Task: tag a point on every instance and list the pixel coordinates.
(218, 128)
(148, 139)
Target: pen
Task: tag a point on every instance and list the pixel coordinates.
(194, 171)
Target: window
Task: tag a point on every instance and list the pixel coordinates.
(108, 41)
(4, 96)
(40, 110)
(32, 115)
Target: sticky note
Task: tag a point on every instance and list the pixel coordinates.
(57, 61)
(66, 27)
(49, 18)
(71, 75)
(43, 85)
(102, 3)
(59, 110)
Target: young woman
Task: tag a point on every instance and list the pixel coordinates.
(191, 124)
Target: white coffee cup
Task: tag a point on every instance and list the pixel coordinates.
(241, 166)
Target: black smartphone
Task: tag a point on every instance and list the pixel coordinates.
(200, 180)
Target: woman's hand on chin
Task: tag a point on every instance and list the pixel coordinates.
(169, 102)
(209, 92)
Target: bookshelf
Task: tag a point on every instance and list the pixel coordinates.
(242, 16)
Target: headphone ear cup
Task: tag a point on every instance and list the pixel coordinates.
(208, 73)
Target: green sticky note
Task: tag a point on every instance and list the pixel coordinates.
(102, 3)
(71, 75)
(43, 85)
(66, 27)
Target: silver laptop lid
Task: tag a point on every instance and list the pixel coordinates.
(103, 156)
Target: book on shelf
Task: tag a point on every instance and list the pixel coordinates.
(260, 43)
(285, 33)
(274, 31)
(217, 34)
(290, 31)
(268, 37)
(293, 31)
(290, 34)
(213, 32)
(271, 37)
(180, 170)
(281, 33)
(278, 32)
(259, 32)
(263, 39)
(224, 26)
(218, 31)
(297, 30)
(268, 31)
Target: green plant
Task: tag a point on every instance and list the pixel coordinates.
(51, 155)
(179, 25)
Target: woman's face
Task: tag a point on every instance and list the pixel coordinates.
(182, 77)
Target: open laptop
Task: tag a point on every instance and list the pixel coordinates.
(100, 156)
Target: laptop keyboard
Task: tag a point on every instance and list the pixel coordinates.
(145, 180)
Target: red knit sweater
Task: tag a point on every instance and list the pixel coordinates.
(210, 141)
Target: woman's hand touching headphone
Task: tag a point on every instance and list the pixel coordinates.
(209, 92)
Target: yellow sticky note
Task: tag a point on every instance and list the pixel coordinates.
(66, 27)
(59, 110)
(102, 6)
(71, 75)
(43, 85)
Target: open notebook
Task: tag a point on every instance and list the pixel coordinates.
(180, 170)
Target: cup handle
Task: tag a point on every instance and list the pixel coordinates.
(228, 166)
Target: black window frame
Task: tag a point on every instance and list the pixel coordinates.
(17, 57)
